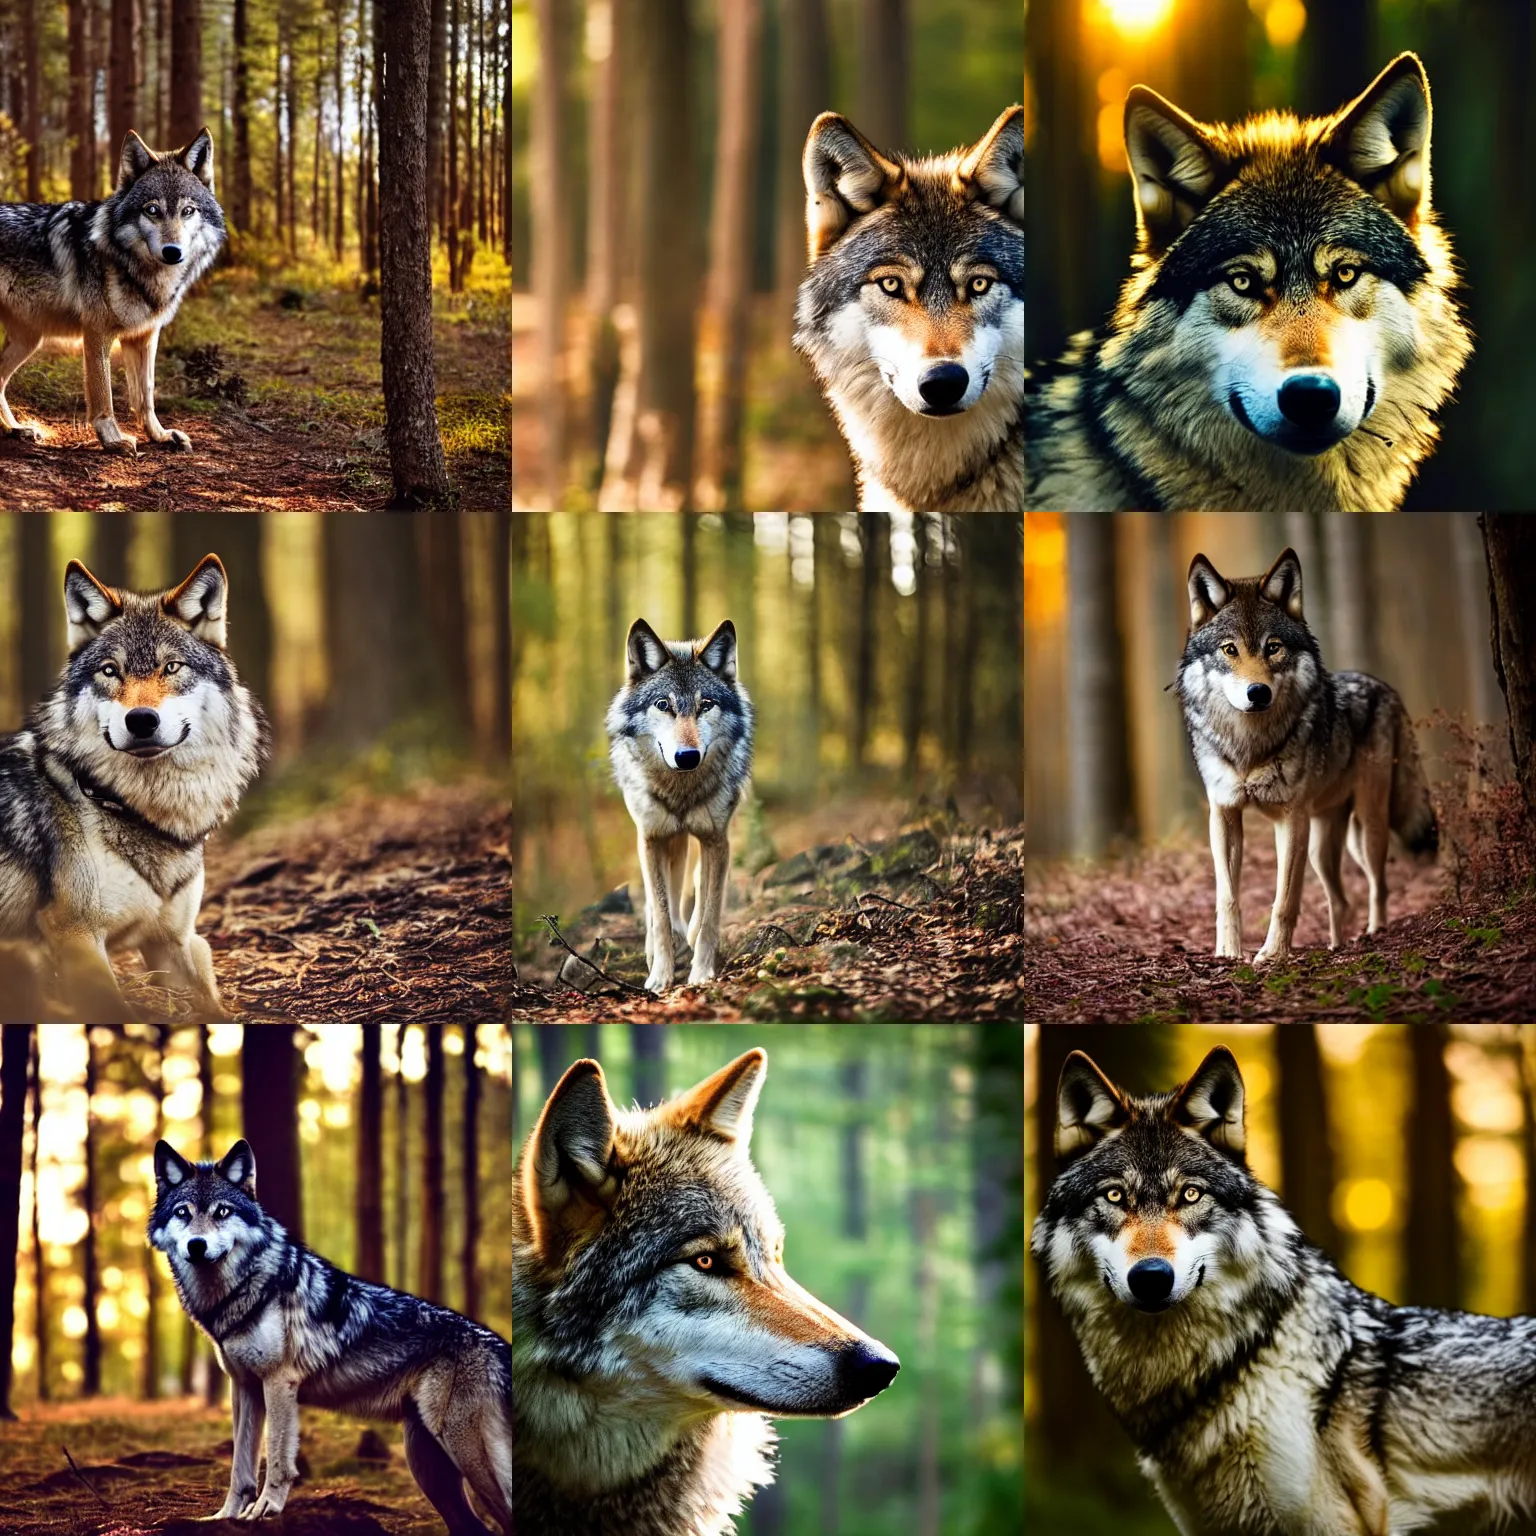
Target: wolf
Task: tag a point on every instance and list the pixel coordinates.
(654, 1327)
(290, 1328)
(680, 740)
(911, 314)
(115, 780)
(1267, 1395)
(1290, 329)
(1329, 757)
(110, 271)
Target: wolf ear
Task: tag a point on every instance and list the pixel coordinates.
(993, 172)
(645, 652)
(198, 158)
(171, 1168)
(845, 177)
(88, 605)
(1282, 584)
(1211, 1102)
(1175, 167)
(1208, 592)
(718, 653)
(238, 1166)
(723, 1105)
(1381, 139)
(1088, 1107)
(569, 1180)
(199, 602)
(136, 158)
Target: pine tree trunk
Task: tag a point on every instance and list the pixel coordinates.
(470, 1175)
(90, 1385)
(430, 1254)
(451, 223)
(82, 131)
(805, 89)
(39, 1263)
(186, 71)
(15, 1053)
(437, 65)
(123, 76)
(269, 1112)
(368, 1207)
(1511, 544)
(240, 181)
(32, 124)
(606, 236)
(551, 233)
(883, 73)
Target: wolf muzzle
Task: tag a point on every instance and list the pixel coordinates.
(943, 387)
(1151, 1284)
(170, 255)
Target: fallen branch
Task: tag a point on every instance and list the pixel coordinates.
(876, 896)
(81, 1475)
(553, 924)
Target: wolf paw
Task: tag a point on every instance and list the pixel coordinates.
(1271, 952)
(26, 434)
(128, 446)
(176, 442)
(659, 979)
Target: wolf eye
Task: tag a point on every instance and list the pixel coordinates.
(664, 705)
(183, 1213)
(1241, 282)
(1115, 1195)
(172, 667)
(1273, 648)
(1192, 1194)
(153, 210)
(703, 1262)
(980, 285)
(1230, 650)
(220, 1212)
(108, 669)
(705, 705)
(891, 285)
(1345, 274)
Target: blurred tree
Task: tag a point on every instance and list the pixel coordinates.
(1307, 1176)
(1431, 1237)
(42, 608)
(32, 120)
(551, 232)
(237, 541)
(1352, 593)
(90, 1384)
(1215, 67)
(197, 1343)
(430, 1254)
(805, 90)
(912, 693)
(883, 57)
(368, 1196)
(82, 130)
(1510, 539)
(469, 1163)
(440, 549)
(611, 46)
(240, 106)
(1338, 55)
(269, 1113)
(40, 1265)
(401, 1161)
(15, 1052)
(437, 95)
(862, 641)
(186, 71)
(122, 78)
(1472, 610)
(150, 1389)
(648, 1046)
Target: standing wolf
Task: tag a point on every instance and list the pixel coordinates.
(1267, 1396)
(291, 1328)
(654, 1326)
(680, 739)
(1289, 331)
(912, 314)
(110, 789)
(1329, 757)
(117, 270)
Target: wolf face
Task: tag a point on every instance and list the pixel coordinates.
(205, 1212)
(165, 209)
(678, 692)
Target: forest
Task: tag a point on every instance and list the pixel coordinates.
(1407, 1154)
(892, 1154)
(877, 854)
(350, 348)
(659, 230)
(383, 1148)
(1119, 891)
(366, 871)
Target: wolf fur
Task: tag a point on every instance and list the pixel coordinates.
(1266, 1395)
(912, 314)
(680, 740)
(111, 271)
(290, 1328)
(109, 790)
(655, 1329)
(1289, 331)
(1329, 757)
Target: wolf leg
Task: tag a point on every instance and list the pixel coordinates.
(438, 1477)
(658, 925)
(250, 1411)
(1291, 857)
(677, 888)
(281, 1395)
(189, 967)
(139, 366)
(85, 974)
(1327, 851)
(20, 344)
(1368, 847)
(714, 866)
(1227, 851)
(97, 352)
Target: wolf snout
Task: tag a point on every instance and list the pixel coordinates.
(1310, 401)
(197, 1249)
(866, 1369)
(1260, 696)
(170, 255)
(687, 757)
(943, 386)
(1151, 1283)
(142, 723)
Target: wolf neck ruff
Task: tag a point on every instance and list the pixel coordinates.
(108, 801)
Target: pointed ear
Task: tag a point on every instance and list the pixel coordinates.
(644, 651)
(569, 1175)
(171, 1168)
(1211, 1102)
(198, 158)
(136, 158)
(845, 178)
(993, 171)
(1088, 1107)
(88, 605)
(1381, 139)
(199, 602)
(718, 653)
(1208, 592)
(1282, 584)
(1175, 167)
(723, 1105)
(238, 1166)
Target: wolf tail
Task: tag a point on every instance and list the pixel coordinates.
(1411, 815)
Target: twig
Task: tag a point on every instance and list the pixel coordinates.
(81, 1475)
(876, 896)
(553, 925)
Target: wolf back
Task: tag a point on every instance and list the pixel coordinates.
(1265, 1393)
(1290, 329)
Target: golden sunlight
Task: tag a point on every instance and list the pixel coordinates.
(1136, 17)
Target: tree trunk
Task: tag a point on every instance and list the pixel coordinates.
(1306, 1151)
(436, 69)
(551, 233)
(451, 202)
(82, 128)
(40, 584)
(470, 1174)
(804, 90)
(1351, 592)
(912, 693)
(186, 71)
(15, 1052)
(237, 541)
(430, 1254)
(410, 372)
(401, 1160)
(151, 1387)
(440, 551)
(91, 1384)
(1338, 58)
(213, 1377)
(269, 1106)
(32, 124)
(1510, 539)
(240, 180)
(648, 1046)
(1431, 1240)
(609, 47)
(123, 76)
(39, 1263)
(339, 242)
(883, 73)
(864, 648)
(368, 1207)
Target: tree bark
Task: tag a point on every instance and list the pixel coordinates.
(15, 1051)
(186, 71)
(401, 1160)
(805, 89)
(90, 1385)
(269, 1105)
(551, 233)
(368, 1208)
(430, 1254)
(82, 128)
(883, 54)
(213, 1377)
(609, 47)
(1431, 1240)
(436, 69)
(123, 74)
(32, 123)
(1306, 1151)
(39, 1263)
(470, 1175)
(451, 201)
(151, 1386)
(416, 461)
(240, 108)
(1510, 540)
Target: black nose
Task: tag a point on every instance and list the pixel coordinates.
(866, 1368)
(196, 1248)
(170, 254)
(141, 722)
(943, 385)
(1151, 1281)
(687, 757)
(1259, 695)
(1310, 401)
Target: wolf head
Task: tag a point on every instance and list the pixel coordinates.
(205, 1213)
(164, 209)
(658, 1261)
(1153, 1208)
(1249, 645)
(916, 282)
(678, 693)
(1297, 263)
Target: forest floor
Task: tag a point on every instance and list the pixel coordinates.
(275, 376)
(163, 1466)
(924, 925)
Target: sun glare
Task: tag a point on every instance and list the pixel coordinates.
(1137, 16)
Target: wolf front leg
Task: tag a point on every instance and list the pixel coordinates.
(714, 867)
(250, 1414)
(20, 344)
(1291, 836)
(97, 351)
(139, 368)
(188, 966)
(282, 1402)
(655, 857)
(85, 974)
(1227, 852)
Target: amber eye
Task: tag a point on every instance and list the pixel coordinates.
(703, 1262)
(172, 667)
(1242, 282)
(1192, 1194)
(1115, 1195)
(891, 285)
(980, 285)
(664, 705)
(705, 705)
(1345, 274)
(1231, 650)
(108, 669)
(1273, 648)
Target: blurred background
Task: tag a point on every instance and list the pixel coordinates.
(892, 1155)
(1219, 60)
(1407, 1154)
(658, 229)
(881, 654)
